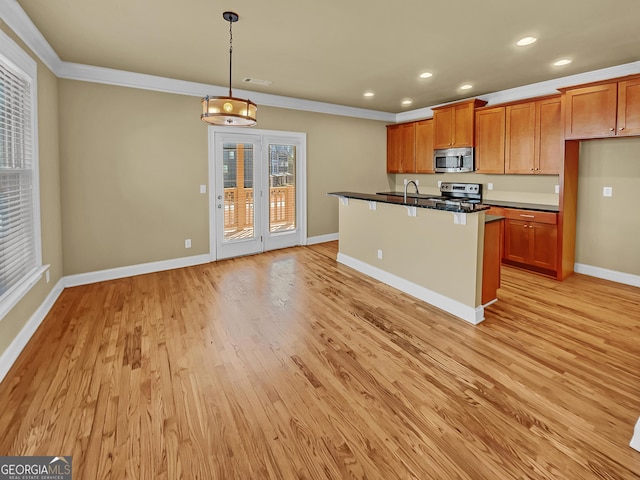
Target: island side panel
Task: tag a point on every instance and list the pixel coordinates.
(419, 249)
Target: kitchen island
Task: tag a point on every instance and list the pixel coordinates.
(431, 252)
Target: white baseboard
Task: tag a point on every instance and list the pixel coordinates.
(614, 276)
(132, 270)
(10, 355)
(635, 440)
(460, 310)
(330, 237)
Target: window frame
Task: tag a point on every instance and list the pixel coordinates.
(16, 59)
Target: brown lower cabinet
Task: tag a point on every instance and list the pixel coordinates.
(531, 240)
(492, 256)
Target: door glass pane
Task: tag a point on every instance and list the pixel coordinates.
(282, 188)
(237, 170)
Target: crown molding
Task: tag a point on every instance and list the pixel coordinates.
(549, 87)
(88, 73)
(16, 18)
(18, 21)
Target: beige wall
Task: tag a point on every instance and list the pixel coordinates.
(514, 188)
(608, 228)
(133, 160)
(342, 154)
(13, 322)
(418, 249)
(131, 165)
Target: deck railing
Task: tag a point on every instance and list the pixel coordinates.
(239, 202)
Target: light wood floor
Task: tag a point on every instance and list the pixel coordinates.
(287, 365)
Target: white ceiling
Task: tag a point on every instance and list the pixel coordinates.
(333, 51)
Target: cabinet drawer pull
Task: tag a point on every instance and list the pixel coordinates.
(527, 216)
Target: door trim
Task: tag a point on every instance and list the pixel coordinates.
(301, 178)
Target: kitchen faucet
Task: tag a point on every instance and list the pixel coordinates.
(406, 185)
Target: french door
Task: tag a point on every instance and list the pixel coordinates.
(258, 193)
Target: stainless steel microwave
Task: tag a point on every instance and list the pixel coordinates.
(453, 160)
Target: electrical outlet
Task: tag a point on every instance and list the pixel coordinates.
(607, 191)
(417, 182)
(187, 243)
(489, 186)
(557, 189)
(406, 180)
(203, 189)
(379, 254)
(439, 183)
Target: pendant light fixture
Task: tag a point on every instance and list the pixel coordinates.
(229, 111)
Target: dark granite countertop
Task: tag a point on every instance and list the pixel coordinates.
(492, 203)
(492, 218)
(412, 201)
(412, 195)
(523, 206)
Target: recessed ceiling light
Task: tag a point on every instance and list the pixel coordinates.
(407, 101)
(562, 62)
(526, 41)
(466, 86)
(426, 75)
(369, 94)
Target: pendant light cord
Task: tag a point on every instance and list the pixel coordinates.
(230, 54)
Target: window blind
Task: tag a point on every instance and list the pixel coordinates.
(17, 246)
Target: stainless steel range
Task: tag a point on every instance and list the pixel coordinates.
(458, 196)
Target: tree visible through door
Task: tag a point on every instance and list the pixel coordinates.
(282, 188)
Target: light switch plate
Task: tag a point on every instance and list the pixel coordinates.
(489, 186)
(557, 190)
(607, 191)
(203, 189)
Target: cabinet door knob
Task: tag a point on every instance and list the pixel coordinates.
(621, 128)
(611, 129)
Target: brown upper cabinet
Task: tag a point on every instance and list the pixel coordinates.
(489, 152)
(410, 147)
(401, 148)
(424, 146)
(629, 107)
(603, 110)
(453, 125)
(533, 140)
